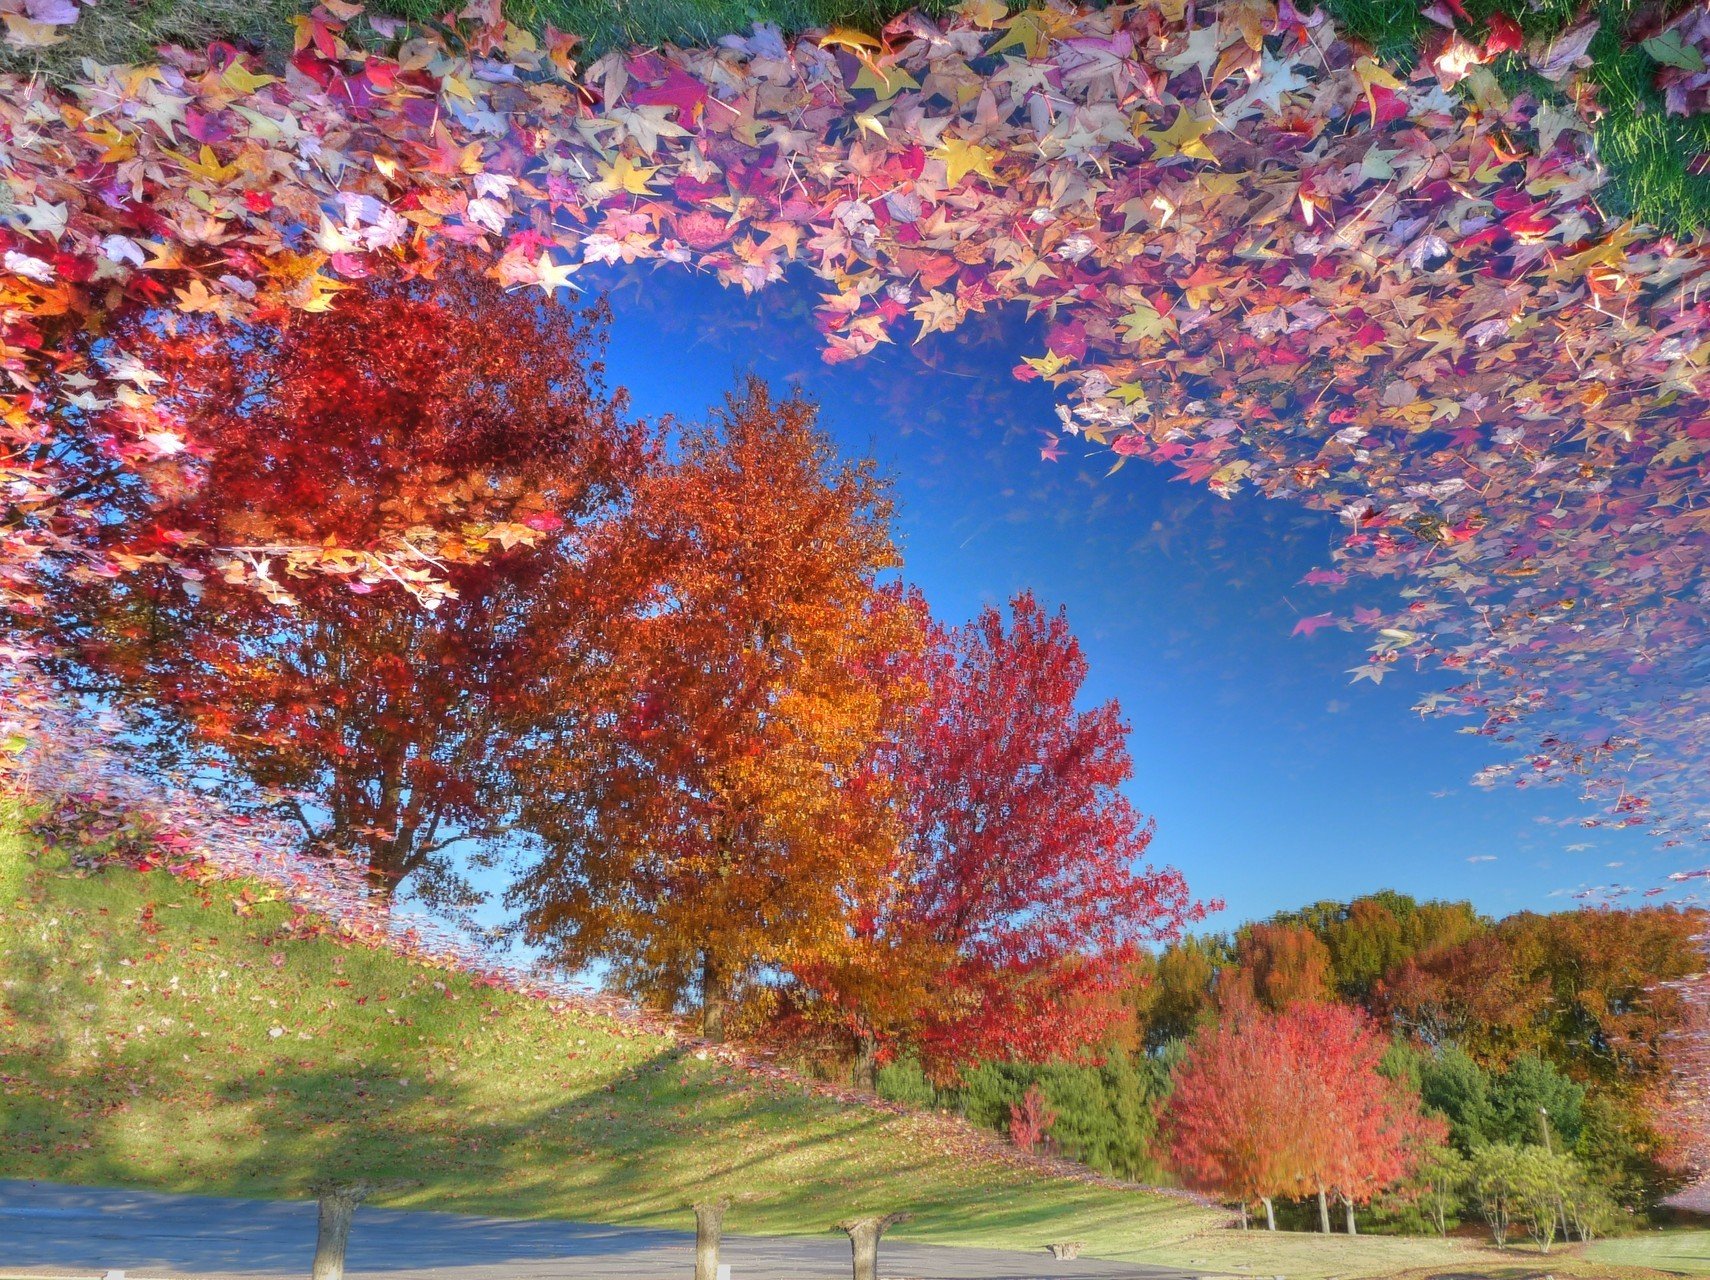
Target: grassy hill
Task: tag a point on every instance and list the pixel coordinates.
(162, 1034)
(159, 1033)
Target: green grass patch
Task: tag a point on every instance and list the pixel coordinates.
(152, 1036)
(1684, 1253)
(1646, 151)
(604, 25)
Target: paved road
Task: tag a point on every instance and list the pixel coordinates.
(83, 1230)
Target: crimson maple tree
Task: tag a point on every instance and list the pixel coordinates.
(1016, 898)
(461, 429)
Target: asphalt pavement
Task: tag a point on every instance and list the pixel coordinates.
(48, 1229)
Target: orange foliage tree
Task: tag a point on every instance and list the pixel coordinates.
(384, 703)
(705, 834)
(1278, 965)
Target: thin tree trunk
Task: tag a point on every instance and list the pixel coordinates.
(1323, 1212)
(1350, 1207)
(1243, 1215)
(1270, 1215)
(709, 1231)
(337, 1208)
(712, 999)
(866, 1067)
(864, 1236)
(380, 886)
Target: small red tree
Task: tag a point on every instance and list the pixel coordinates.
(1293, 1103)
(1030, 1120)
(1017, 898)
(1362, 1132)
(1234, 1113)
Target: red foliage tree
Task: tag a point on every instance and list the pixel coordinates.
(1475, 994)
(1016, 898)
(1362, 1132)
(1293, 1103)
(1030, 1120)
(464, 431)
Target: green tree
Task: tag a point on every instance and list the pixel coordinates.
(1624, 1152)
(1174, 991)
(1104, 1111)
(1529, 1091)
(1458, 1089)
(1522, 1185)
(1441, 1186)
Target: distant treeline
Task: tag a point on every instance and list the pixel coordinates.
(1571, 1012)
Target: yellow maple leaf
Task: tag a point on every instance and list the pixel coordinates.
(240, 79)
(849, 38)
(622, 175)
(196, 298)
(1033, 30)
(207, 166)
(1183, 138)
(1368, 73)
(961, 158)
(1144, 322)
(984, 14)
(1048, 365)
(885, 82)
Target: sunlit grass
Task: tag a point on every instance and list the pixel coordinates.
(1646, 151)
(1684, 1253)
(216, 1055)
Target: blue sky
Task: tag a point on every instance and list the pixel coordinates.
(1274, 782)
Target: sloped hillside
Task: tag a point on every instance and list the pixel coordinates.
(200, 1037)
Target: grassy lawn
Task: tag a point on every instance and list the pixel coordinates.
(1314, 1257)
(158, 1034)
(1684, 1253)
(1646, 151)
(152, 1036)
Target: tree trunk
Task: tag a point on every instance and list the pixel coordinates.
(1350, 1207)
(1270, 1215)
(1323, 1212)
(864, 1235)
(866, 1068)
(338, 1207)
(709, 1230)
(712, 999)
(1243, 1215)
(380, 886)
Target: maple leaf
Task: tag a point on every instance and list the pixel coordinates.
(1372, 77)
(962, 158)
(883, 81)
(622, 174)
(1048, 365)
(1143, 323)
(1183, 138)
